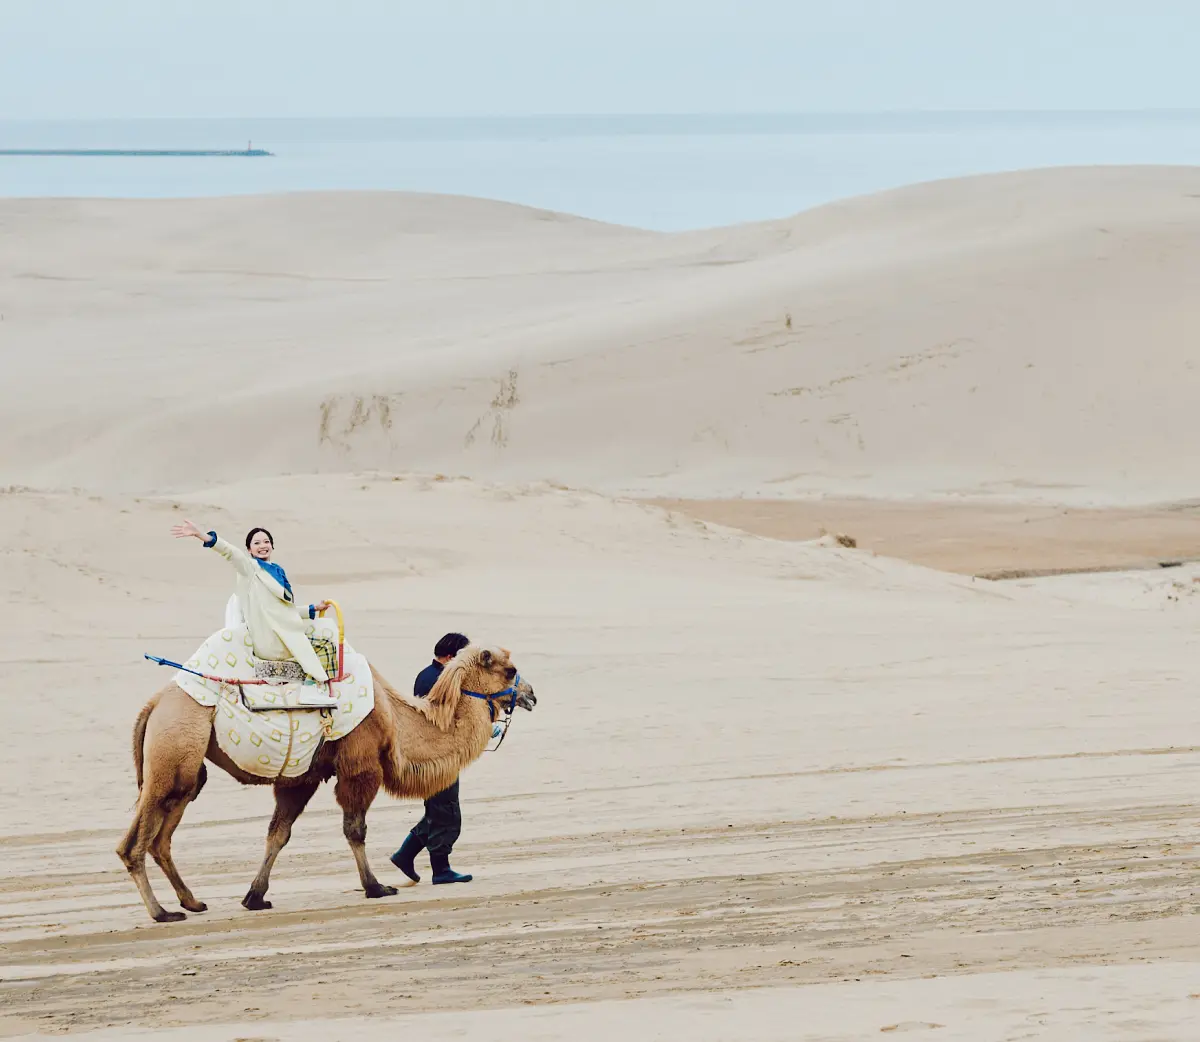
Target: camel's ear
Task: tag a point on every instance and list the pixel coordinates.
(485, 659)
(444, 697)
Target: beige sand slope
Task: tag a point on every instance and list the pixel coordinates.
(771, 789)
(1024, 335)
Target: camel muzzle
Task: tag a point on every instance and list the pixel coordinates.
(523, 695)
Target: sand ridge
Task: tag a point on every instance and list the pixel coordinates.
(1022, 335)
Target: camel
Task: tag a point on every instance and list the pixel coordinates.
(411, 748)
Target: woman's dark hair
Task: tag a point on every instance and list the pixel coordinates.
(449, 646)
(254, 531)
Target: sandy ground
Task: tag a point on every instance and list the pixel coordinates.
(1096, 1004)
(753, 764)
(773, 788)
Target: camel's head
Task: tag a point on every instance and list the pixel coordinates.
(479, 672)
(490, 671)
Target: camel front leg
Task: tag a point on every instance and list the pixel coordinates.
(160, 849)
(290, 801)
(354, 796)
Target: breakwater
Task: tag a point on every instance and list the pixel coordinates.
(133, 152)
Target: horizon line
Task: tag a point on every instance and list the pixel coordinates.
(741, 113)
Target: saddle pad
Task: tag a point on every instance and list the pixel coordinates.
(277, 742)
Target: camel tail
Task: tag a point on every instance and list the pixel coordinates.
(139, 739)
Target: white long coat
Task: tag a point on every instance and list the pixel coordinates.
(276, 625)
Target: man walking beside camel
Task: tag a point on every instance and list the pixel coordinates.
(439, 829)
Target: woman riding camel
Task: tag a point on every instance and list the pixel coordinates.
(277, 627)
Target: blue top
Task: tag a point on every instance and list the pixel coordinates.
(427, 678)
(277, 573)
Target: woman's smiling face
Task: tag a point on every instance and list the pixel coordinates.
(260, 547)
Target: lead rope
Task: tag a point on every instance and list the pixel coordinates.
(506, 722)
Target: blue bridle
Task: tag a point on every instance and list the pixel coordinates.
(491, 700)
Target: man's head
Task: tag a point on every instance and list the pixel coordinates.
(449, 646)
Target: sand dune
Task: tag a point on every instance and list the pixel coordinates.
(1025, 335)
(773, 787)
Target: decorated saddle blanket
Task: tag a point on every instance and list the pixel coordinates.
(274, 731)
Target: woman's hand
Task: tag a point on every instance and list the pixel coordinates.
(321, 606)
(188, 531)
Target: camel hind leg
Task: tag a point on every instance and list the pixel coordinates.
(175, 737)
(355, 795)
(148, 819)
(160, 848)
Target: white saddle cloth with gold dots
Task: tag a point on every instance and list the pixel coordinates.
(273, 742)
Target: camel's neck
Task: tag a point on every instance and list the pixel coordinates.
(428, 759)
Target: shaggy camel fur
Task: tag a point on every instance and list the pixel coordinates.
(411, 747)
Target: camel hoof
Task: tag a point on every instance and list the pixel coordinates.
(194, 906)
(255, 903)
(379, 890)
(169, 917)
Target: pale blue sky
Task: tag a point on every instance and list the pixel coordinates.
(165, 58)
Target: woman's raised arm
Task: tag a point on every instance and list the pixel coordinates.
(240, 560)
(188, 530)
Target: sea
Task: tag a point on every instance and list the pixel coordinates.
(668, 172)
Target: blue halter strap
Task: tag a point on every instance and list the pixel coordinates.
(491, 700)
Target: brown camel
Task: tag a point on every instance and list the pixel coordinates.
(412, 748)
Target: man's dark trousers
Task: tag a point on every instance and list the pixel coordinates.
(439, 829)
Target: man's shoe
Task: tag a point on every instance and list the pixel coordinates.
(443, 873)
(404, 858)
